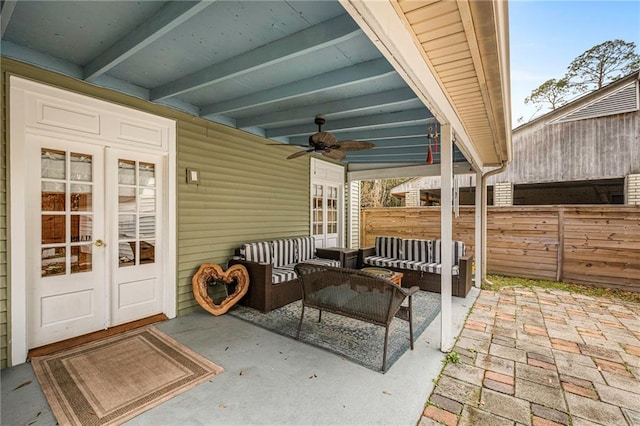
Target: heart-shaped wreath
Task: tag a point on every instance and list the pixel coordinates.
(209, 273)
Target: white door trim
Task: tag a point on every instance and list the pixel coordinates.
(98, 122)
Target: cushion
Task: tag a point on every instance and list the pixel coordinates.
(306, 247)
(280, 275)
(417, 250)
(388, 247)
(458, 251)
(284, 252)
(326, 262)
(381, 261)
(413, 265)
(257, 252)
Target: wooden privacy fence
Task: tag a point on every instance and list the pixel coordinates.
(596, 245)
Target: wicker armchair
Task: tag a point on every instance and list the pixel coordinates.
(355, 294)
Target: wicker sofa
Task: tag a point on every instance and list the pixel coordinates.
(354, 294)
(419, 261)
(272, 279)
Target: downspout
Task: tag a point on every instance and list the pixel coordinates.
(483, 226)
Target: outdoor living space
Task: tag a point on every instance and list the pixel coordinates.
(270, 379)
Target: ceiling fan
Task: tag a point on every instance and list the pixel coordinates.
(327, 144)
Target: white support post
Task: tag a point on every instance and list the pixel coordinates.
(478, 254)
(446, 236)
(483, 230)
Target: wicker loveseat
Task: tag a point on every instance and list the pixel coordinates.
(272, 280)
(419, 261)
(355, 294)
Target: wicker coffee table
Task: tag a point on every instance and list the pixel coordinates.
(395, 277)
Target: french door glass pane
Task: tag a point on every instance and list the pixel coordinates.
(126, 199)
(81, 169)
(147, 227)
(53, 229)
(81, 258)
(127, 253)
(147, 174)
(54, 261)
(147, 200)
(81, 228)
(53, 164)
(127, 226)
(127, 172)
(53, 196)
(81, 197)
(147, 251)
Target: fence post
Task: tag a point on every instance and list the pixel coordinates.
(560, 261)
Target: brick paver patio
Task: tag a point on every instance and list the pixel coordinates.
(542, 357)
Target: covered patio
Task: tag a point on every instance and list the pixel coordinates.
(226, 81)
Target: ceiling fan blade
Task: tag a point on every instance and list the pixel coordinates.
(334, 154)
(299, 154)
(349, 145)
(287, 144)
(324, 138)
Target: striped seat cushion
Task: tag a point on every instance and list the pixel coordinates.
(458, 251)
(326, 262)
(257, 252)
(284, 252)
(306, 248)
(417, 250)
(433, 268)
(381, 261)
(388, 247)
(280, 275)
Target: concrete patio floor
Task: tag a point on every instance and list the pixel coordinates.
(527, 357)
(540, 357)
(269, 379)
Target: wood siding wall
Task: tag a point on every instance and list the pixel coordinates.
(597, 148)
(248, 190)
(591, 245)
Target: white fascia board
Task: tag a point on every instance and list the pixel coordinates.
(380, 21)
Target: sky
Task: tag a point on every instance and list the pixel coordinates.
(545, 36)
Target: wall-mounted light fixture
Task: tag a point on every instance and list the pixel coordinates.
(193, 176)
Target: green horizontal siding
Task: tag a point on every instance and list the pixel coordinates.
(248, 190)
(4, 291)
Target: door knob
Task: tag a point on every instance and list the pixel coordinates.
(99, 243)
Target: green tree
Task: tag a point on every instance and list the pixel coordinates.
(596, 67)
(603, 64)
(553, 92)
(377, 193)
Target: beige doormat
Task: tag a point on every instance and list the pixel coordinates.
(111, 380)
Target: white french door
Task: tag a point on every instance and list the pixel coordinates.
(134, 190)
(327, 203)
(66, 253)
(93, 231)
(325, 221)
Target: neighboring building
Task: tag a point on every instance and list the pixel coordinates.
(585, 152)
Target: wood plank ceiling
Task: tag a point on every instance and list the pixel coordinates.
(460, 43)
(269, 67)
